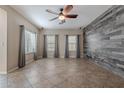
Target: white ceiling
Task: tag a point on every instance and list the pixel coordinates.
(39, 17)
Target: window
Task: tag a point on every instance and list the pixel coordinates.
(51, 43)
(72, 43)
(30, 42)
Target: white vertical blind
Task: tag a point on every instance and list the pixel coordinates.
(72, 43)
(30, 41)
(72, 46)
(51, 43)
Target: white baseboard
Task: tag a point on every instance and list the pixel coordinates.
(60, 57)
(13, 69)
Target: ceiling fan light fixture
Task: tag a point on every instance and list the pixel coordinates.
(61, 17)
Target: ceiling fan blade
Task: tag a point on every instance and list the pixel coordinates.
(71, 16)
(67, 9)
(53, 19)
(50, 11)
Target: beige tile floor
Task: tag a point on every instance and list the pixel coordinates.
(61, 73)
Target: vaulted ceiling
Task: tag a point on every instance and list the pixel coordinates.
(38, 16)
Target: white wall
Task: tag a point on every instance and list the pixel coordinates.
(3, 41)
(14, 19)
(62, 34)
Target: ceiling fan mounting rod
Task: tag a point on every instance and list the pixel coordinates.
(61, 9)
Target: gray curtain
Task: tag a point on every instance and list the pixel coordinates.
(78, 46)
(66, 47)
(56, 55)
(35, 51)
(21, 58)
(45, 47)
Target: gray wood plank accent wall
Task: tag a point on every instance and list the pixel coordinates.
(104, 40)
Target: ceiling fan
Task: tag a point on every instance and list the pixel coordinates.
(63, 15)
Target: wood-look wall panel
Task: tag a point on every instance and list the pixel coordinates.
(104, 40)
